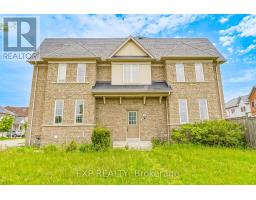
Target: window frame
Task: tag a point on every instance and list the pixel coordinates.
(186, 111)
(180, 66)
(132, 111)
(55, 109)
(58, 75)
(207, 111)
(77, 71)
(77, 113)
(201, 72)
(131, 73)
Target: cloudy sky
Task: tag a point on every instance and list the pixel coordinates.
(233, 35)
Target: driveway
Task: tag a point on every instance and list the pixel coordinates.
(12, 143)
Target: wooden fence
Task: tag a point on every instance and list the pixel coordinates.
(250, 125)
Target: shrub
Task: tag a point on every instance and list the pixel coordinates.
(71, 147)
(85, 148)
(157, 141)
(215, 132)
(50, 148)
(101, 138)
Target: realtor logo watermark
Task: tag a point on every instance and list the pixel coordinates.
(20, 39)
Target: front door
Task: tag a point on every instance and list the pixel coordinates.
(132, 127)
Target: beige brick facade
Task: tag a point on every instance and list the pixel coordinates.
(161, 116)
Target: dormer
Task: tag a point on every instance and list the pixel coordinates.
(131, 64)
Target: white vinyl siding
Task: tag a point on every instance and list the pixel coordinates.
(203, 109)
(81, 73)
(62, 73)
(180, 74)
(199, 72)
(79, 111)
(130, 73)
(58, 111)
(183, 111)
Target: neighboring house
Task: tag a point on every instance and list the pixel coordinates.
(252, 100)
(238, 107)
(21, 116)
(4, 112)
(137, 87)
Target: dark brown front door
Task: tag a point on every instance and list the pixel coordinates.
(132, 126)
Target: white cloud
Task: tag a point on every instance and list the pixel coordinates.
(223, 20)
(230, 49)
(115, 26)
(245, 28)
(245, 76)
(226, 40)
(248, 49)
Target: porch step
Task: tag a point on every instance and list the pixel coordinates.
(133, 144)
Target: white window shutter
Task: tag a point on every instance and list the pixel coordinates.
(199, 72)
(183, 111)
(180, 74)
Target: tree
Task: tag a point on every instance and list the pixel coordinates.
(25, 127)
(6, 123)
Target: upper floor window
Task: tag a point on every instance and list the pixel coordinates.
(58, 111)
(130, 73)
(62, 73)
(81, 73)
(183, 111)
(79, 114)
(203, 109)
(180, 75)
(199, 72)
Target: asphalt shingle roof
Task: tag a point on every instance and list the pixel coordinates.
(104, 47)
(235, 102)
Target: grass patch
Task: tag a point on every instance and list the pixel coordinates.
(175, 164)
(5, 138)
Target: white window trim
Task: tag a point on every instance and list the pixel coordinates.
(55, 112)
(186, 111)
(183, 78)
(85, 71)
(136, 117)
(76, 111)
(201, 71)
(131, 74)
(207, 111)
(58, 75)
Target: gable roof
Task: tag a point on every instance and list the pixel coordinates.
(103, 48)
(253, 88)
(19, 111)
(136, 42)
(235, 102)
(5, 111)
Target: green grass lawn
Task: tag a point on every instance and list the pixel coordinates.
(176, 164)
(5, 138)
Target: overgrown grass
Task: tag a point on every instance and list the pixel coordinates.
(175, 164)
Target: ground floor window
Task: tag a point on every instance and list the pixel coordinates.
(58, 111)
(79, 114)
(132, 117)
(183, 111)
(203, 109)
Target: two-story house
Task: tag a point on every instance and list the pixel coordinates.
(238, 107)
(137, 87)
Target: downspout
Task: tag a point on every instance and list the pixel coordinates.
(219, 89)
(167, 116)
(33, 105)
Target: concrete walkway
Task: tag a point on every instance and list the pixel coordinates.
(11, 143)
